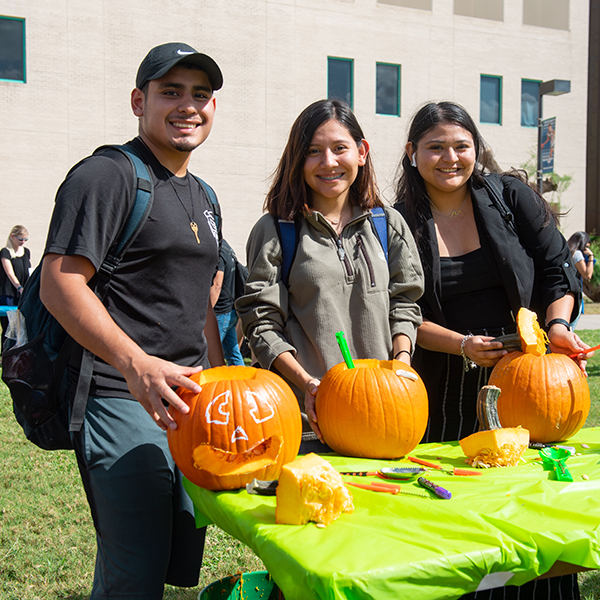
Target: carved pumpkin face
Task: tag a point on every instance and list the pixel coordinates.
(547, 394)
(370, 411)
(245, 424)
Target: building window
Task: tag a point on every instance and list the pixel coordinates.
(388, 89)
(420, 4)
(481, 9)
(490, 104)
(339, 79)
(12, 49)
(530, 102)
(547, 13)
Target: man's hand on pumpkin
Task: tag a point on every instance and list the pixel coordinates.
(151, 379)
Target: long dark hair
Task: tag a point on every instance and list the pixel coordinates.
(290, 196)
(411, 194)
(578, 241)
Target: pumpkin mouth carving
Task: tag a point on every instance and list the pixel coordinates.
(223, 462)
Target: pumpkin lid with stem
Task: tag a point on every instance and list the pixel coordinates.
(533, 338)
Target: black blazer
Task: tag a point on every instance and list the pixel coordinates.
(531, 258)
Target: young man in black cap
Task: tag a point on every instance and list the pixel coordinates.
(150, 334)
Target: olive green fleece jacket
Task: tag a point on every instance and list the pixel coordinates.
(355, 291)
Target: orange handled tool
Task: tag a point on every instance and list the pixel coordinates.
(454, 471)
(585, 351)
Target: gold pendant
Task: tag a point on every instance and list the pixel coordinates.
(194, 228)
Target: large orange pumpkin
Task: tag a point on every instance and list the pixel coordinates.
(244, 424)
(547, 394)
(370, 411)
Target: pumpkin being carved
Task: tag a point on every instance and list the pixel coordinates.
(547, 394)
(371, 411)
(245, 424)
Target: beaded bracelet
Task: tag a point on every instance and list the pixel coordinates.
(400, 352)
(469, 364)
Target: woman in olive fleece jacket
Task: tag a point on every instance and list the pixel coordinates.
(339, 279)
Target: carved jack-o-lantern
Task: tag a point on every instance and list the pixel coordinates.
(245, 424)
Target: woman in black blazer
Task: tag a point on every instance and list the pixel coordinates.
(489, 245)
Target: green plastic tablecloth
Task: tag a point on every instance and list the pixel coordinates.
(513, 522)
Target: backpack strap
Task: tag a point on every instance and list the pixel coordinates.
(495, 188)
(288, 232)
(379, 221)
(144, 196)
(288, 237)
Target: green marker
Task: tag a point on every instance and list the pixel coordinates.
(341, 340)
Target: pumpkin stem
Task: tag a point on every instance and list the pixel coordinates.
(487, 408)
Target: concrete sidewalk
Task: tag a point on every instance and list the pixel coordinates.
(588, 322)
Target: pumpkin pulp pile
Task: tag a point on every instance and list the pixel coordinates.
(493, 445)
(244, 424)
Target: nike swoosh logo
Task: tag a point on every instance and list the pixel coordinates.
(183, 52)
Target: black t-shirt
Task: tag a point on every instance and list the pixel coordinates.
(160, 292)
(21, 266)
(224, 304)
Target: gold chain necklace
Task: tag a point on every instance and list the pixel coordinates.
(169, 175)
(193, 224)
(454, 213)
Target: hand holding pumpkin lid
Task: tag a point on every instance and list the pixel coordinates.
(547, 394)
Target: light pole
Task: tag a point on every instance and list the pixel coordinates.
(554, 87)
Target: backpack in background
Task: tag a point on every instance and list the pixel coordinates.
(241, 276)
(240, 273)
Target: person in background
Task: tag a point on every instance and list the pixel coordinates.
(339, 279)
(584, 261)
(479, 271)
(222, 297)
(16, 265)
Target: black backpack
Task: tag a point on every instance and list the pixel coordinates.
(240, 273)
(36, 373)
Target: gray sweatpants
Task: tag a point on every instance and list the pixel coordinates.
(144, 519)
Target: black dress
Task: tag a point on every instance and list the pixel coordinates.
(474, 301)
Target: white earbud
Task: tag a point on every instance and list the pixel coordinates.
(413, 162)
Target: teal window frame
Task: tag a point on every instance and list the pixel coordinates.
(332, 94)
(526, 80)
(499, 79)
(23, 54)
(398, 68)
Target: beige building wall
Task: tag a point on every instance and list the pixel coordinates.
(82, 58)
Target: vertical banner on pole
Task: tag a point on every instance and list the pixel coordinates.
(547, 144)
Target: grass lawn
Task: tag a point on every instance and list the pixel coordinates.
(47, 543)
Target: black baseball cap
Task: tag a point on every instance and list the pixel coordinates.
(164, 57)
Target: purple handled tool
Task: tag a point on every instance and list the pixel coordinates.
(440, 492)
